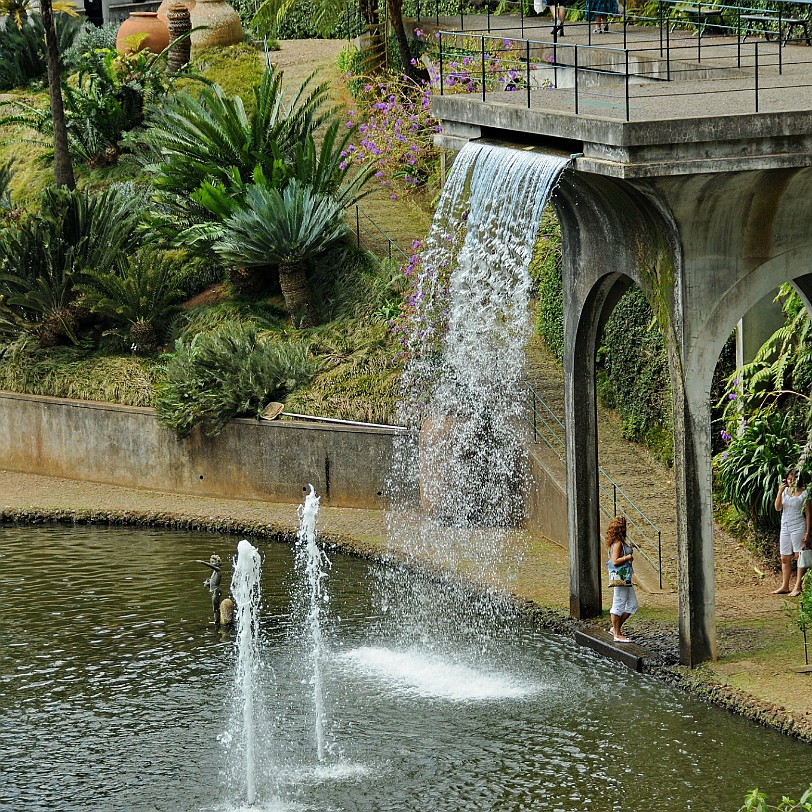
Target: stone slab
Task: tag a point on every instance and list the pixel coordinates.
(630, 654)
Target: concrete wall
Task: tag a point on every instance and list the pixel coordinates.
(546, 507)
(123, 445)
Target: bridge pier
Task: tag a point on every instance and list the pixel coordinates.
(707, 216)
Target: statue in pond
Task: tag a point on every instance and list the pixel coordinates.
(222, 608)
(213, 584)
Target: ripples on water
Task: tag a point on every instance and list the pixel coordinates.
(114, 690)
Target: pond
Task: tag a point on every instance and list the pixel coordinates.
(117, 693)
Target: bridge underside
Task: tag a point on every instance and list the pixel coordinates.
(707, 216)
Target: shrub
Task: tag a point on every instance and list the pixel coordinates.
(225, 374)
(22, 49)
(545, 269)
(89, 38)
(750, 469)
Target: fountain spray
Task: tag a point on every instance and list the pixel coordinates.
(245, 587)
(311, 561)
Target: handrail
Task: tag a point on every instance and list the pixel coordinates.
(548, 428)
(364, 225)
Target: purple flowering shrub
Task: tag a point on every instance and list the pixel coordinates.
(396, 129)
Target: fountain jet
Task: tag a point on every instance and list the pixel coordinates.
(311, 562)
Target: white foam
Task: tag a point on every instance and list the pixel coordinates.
(420, 674)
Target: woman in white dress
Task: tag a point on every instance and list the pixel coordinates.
(792, 502)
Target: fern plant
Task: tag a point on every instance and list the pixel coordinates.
(42, 256)
(230, 372)
(138, 298)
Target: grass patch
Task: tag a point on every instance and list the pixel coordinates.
(69, 372)
(236, 68)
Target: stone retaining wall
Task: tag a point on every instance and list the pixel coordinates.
(249, 459)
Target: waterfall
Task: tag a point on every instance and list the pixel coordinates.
(465, 461)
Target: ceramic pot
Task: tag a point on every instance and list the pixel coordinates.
(155, 33)
(222, 23)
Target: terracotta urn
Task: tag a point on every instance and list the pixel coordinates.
(222, 24)
(142, 30)
(163, 9)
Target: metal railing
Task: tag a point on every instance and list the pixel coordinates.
(610, 77)
(548, 429)
(369, 235)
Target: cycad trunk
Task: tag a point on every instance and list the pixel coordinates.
(63, 166)
(296, 290)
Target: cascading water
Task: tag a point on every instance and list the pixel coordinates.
(311, 562)
(245, 588)
(465, 460)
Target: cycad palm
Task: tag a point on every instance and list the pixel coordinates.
(286, 228)
(138, 297)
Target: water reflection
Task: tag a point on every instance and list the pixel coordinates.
(114, 689)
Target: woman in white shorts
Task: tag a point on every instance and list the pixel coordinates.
(621, 555)
(791, 501)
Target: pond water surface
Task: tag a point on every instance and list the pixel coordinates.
(116, 694)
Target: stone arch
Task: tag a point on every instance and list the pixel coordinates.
(613, 237)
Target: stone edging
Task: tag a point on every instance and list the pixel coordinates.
(697, 682)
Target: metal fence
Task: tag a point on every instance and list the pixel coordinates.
(643, 534)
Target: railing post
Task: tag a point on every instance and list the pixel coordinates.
(614, 499)
(668, 53)
(627, 84)
(660, 557)
(699, 32)
(521, 16)
(488, 11)
(756, 75)
(738, 37)
(535, 428)
(483, 68)
(527, 57)
(575, 68)
(441, 63)
(660, 20)
(780, 47)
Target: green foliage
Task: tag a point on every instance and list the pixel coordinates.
(234, 68)
(635, 363)
(89, 38)
(751, 468)
(545, 269)
(298, 19)
(42, 255)
(273, 226)
(757, 802)
(352, 63)
(225, 374)
(73, 372)
(106, 99)
(781, 367)
(137, 298)
(22, 49)
(6, 174)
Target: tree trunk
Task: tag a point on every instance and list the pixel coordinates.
(395, 8)
(63, 167)
(296, 290)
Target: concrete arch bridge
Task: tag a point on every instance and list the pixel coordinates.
(707, 214)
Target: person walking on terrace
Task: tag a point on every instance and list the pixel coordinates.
(792, 503)
(559, 13)
(621, 556)
(600, 11)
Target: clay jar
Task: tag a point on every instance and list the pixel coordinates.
(222, 23)
(142, 22)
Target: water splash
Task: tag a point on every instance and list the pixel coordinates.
(245, 588)
(465, 462)
(311, 561)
